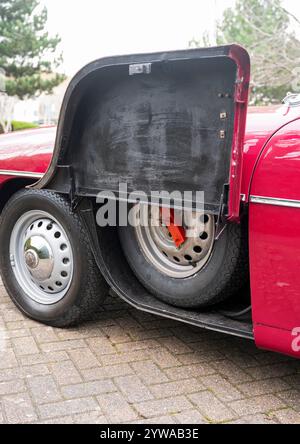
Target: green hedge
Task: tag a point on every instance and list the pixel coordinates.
(18, 126)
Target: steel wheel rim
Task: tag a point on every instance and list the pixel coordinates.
(41, 257)
(160, 251)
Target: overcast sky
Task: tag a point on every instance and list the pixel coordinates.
(95, 28)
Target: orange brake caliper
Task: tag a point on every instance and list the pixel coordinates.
(177, 232)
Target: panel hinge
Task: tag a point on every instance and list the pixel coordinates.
(221, 223)
(140, 68)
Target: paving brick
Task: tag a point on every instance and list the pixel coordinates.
(69, 407)
(147, 344)
(10, 387)
(142, 333)
(61, 420)
(65, 372)
(7, 359)
(41, 358)
(211, 408)
(115, 334)
(25, 346)
(258, 404)
(23, 372)
(122, 358)
(190, 417)
(44, 334)
(149, 372)
(223, 389)
(175, 345)
(110, 371)
(171, 406)
(287, 416)
(176, 388)
(83, 358)
(89, 418)
(116, 408)
(19, 333)
(189, 371)
(86, 389)
(11, 314)
(187, 333)
(263, 387)
(15, 325)
(163, 358)
(133, 389)
(254, 419)
(291, 398)
(62, 345)
(232, 372)
(198, 357)
(272, 371)
(44, 389)
(156, 420)
(101, 346)
(293, 381)
(19, 409)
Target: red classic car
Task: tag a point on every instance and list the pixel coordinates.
(159, 122)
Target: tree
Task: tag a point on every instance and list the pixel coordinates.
(263, 28)
(27, 52)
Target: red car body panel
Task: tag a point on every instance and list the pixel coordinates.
(27, 151)
(262, 123)
(275, 242)
(270, 168)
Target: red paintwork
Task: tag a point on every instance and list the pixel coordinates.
(270, 168)
(262, 123)
(241, 58)
(275, 241)
(29, 150)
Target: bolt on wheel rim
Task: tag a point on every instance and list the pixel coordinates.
(41, 257)
(160, 250)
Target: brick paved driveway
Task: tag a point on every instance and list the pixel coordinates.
(126, 366)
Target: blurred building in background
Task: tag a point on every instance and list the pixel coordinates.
(43, 110)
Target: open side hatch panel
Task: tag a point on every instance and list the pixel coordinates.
(158, 122)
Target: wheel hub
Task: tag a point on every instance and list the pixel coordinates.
(158, 245)
(31, 259)
(38, 257)
(41, 257)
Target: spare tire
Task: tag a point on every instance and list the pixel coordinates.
(200, 273)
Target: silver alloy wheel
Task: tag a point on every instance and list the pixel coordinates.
(41, 257)
(160, 250)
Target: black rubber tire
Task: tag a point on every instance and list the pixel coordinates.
(224, 274)
(88, 287)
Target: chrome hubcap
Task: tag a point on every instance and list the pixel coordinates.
(38, 258)
(158, 246)
(41, 257)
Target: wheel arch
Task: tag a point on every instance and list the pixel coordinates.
(12, 186)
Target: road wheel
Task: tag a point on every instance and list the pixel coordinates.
(199, 273)
(46, 262)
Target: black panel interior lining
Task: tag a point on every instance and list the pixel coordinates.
(156, 132)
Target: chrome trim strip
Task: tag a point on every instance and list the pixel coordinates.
(275, 201)
(21, 174)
